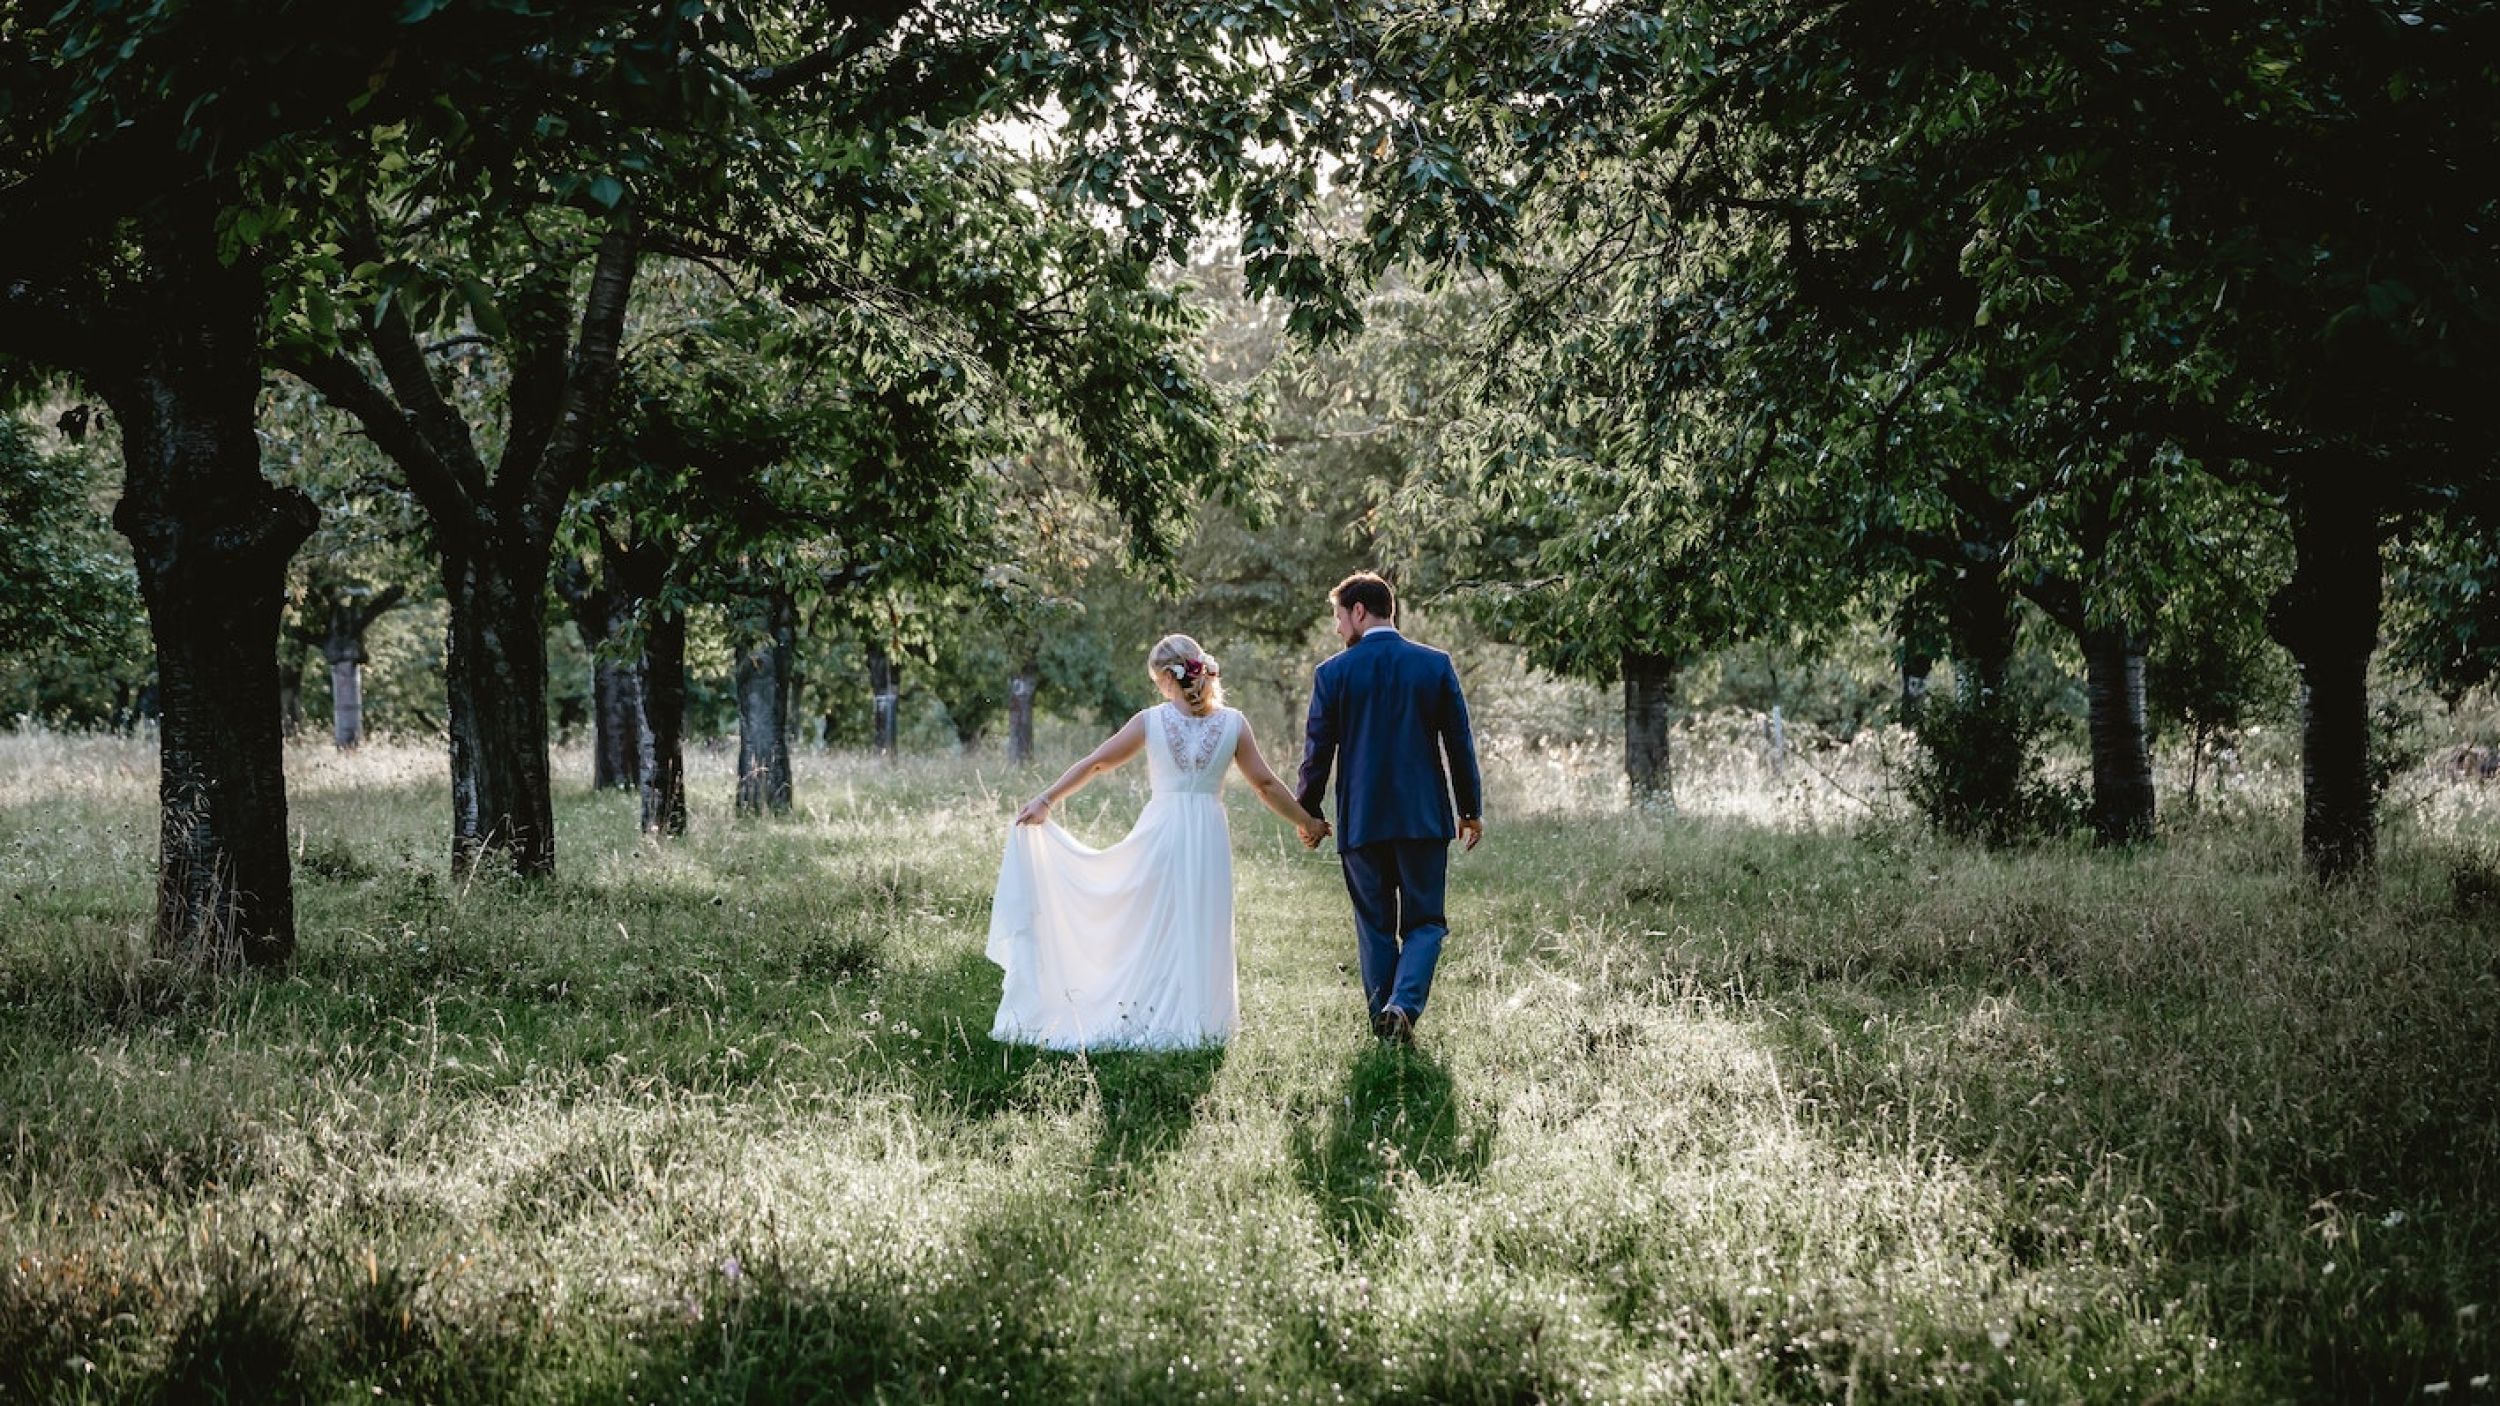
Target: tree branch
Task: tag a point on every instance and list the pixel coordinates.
(591, 377)
(2059, 598)
(380, 606)
(388, 334)
(541, 348)
(868, 23)
(344, 384)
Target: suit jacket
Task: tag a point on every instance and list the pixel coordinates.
(1388, 713)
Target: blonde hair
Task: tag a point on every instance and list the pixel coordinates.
(1202, 690)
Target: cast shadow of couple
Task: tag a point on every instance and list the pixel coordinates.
(1393, 1122)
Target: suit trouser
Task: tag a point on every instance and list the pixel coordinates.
(1397, 887)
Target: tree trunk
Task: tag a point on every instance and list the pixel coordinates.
(765, 685)
(664, 725)
(2122, 754)
(343, 646)
(1916, 667)
(211, 539)
(495, 677)
(885, 698)
(2328, 617)
(1988, 742)
(1922, 635)
(129, 700)
(1648, 709)
(290, 695)
(616, 697)
(1020, 694)
(495, 525)
(347, 701)
(1289, 685)
(601, 617)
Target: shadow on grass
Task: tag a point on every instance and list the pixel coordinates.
(1397, 1124)
(776, 1334)
(2265, 1163)
(1149, 1101)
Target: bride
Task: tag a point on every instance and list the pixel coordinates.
(1131, 947)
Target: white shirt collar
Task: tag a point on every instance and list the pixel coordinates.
(1381, 630)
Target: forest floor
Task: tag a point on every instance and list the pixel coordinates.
(1703, 1110)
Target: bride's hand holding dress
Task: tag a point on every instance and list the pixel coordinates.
(1131, 946)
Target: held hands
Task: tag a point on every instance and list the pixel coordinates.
(1470, 831)
(1035, 811)
(1313, 833)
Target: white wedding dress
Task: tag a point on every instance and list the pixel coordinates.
(1129, 947)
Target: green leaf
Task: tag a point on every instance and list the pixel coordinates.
(482, 307)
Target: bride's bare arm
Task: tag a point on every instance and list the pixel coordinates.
(1278, 796)
(1115, 749)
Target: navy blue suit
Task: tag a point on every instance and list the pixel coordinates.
(1388, 715)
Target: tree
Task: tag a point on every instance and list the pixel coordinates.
(603, 615)
(835, 178)
(766, 624)
(2446, 606)
(128, 145)
(70, 615)
(154, 170)
(363, 561)
(2248, 233)
(164, 161)
(1344, 427)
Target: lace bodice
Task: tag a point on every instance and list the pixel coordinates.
(1189, 755)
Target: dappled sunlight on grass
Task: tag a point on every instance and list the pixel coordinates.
(1703, 1110)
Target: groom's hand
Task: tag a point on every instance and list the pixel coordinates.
(1470, 830)
(1312, 836)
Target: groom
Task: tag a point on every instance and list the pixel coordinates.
(1389, 714)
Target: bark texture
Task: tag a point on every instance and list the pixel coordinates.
(616, 700)
(885, 698)
(1021, 691)
(211, 539)
(495, 678)
(766, 678)
(1648, 712)
(602, 617)
(344, 649)
(2328, 617)
(2122, 753)
(664, 725)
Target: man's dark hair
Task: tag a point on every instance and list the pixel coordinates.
(1368, 590)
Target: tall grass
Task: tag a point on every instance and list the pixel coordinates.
(1774, 1099)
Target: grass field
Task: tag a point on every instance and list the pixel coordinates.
(1705, 1110)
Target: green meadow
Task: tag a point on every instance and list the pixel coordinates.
(1792, 1106)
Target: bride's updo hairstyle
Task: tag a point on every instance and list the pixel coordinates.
(1178, 658)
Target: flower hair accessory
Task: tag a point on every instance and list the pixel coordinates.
(1188, 671)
